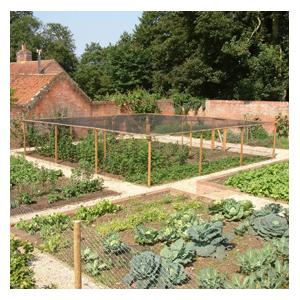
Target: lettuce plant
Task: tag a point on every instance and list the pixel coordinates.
(112, 244)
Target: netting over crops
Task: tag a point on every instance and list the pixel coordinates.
(149, 124)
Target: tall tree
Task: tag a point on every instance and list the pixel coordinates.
(57, 42)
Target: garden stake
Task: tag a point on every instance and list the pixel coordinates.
(224, 139)
(274, 141)
(149, 159)
(77, 251)
(55, 143)
(24, 137)
(212, 145)
(71, 131)
(200, 153)
(191, 143)
(104, 144)
(96, 150)
(242, 146)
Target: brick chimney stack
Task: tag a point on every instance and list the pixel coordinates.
(24, 54)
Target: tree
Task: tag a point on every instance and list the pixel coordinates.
(24, 28)
(57, 43)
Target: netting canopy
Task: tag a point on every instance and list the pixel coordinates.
(148, 124)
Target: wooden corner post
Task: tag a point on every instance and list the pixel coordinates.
(242, 146)
(149, 159)
(213, 134)
(24, 136)
(96, 150)
(224, 139)
(200, 153)
(77, 258)
(55, 143)
(104, 144)
(274, 140)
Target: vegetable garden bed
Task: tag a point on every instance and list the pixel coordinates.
(270, 181)
(169, 240)
(35, 189)
(127, 158)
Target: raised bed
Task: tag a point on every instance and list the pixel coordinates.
(155, 211)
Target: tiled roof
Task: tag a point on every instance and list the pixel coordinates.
(26, 87)
(31, 67)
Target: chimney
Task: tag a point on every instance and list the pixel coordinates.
(39, 65)
(24, 54)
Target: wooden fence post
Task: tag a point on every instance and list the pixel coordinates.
(224, 139)
(71, 131)
(191, 143)
(77, 255)
(212, 146)
(96, 149)
(104, 144)
(242, 146)
(149, 159)
(24, 136)
(55, 143)
(274, 140)
(200, 153)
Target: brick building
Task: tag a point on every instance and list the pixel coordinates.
(43, 89)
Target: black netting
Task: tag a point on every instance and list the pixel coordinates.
(149, 124)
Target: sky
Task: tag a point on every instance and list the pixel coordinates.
(103, 27)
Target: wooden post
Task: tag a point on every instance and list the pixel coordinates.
(212, 146)
(24, 137)
(104, 144)
(55, 143)
(71, 131)
(191, 142)
(77, 259)
(274, 141)
(242, 146)
(149, 159)
(224, 139)
(96, 149)
(200, 153)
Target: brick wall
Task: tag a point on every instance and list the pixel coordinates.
(166, 106)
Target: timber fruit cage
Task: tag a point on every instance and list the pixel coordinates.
(148, 126)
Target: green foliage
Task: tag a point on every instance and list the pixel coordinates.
(282, 125)
(231, 209)
(25, 172)
(145, 236)
(210, 278)
(184, 102)
(25, 198)
(179, 252)
(93, 263)
(145, 216)
(269, 181)
(21, 274)
(146, 272)
(174, 272)
(112, 244)
(89, 214)
(264, 268)
(208, 239)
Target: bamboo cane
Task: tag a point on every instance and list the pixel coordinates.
(242, 146)
(212, 146)
(56, 143)
(224, 139)
(149, 160)
(77, 259)
(24, 137)
(274, 141)
(96, 150)
(200, 153)
(104, 144)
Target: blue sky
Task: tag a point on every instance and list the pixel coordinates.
(103, 27)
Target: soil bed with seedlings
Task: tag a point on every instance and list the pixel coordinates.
(36, 189)
(172, 240)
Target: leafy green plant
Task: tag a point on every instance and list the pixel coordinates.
(231, 209)
(282, 125)
(145, 236)
(89, 214)
(112, 244)
(269, 181)
(21, 274)
(93, 264)
(146, 272)
(208, 239)
(179, 252)
(174, 271)
(25, 198)
(210, 278)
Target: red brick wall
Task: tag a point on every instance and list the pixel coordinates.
(62, 97)
(104, 108)
(166, 106)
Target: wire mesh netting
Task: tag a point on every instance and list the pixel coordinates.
(149, 124)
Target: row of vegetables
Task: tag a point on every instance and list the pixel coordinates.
(184, 237)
